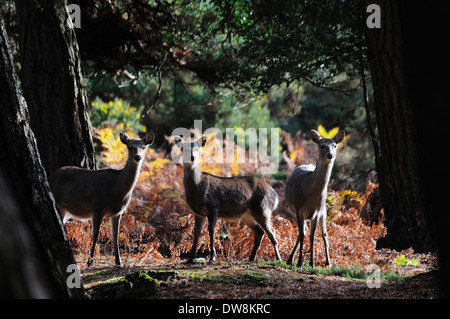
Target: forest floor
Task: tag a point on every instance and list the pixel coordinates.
(258, 280)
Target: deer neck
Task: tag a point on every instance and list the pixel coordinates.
(322, 175)
(192, 172)
(129, 177)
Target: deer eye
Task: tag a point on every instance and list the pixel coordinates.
(144, 147)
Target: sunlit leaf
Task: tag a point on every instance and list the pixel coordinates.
(327, 134)
(332, 133)
(322, 131)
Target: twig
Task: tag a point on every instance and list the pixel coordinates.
(331, 88)
(158, 93)
(296, 99)
(141, 260)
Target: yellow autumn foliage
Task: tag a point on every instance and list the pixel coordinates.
(114, 152)
(158, 164)
(297, 153)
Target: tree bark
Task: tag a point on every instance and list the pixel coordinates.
(53, 85)
(410, 77)
(21, 273)
(35, 215)
(400, 184)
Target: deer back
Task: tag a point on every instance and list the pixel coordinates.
(81, 191)
(229, 194)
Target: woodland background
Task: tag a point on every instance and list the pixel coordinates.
(137, 66)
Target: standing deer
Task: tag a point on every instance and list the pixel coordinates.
(229, 198)
(82, 193)
(306, 193)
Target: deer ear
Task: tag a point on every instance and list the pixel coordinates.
(315, 136)
(149, 139)
(339, 137)
(124, 138)
(178, 141)
(202, 141)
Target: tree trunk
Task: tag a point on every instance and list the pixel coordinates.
(35, 216)
(53, 85)
(410, 77)
(400, 183)
(21, 272)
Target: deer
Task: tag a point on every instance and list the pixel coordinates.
(82, 193)
(306, 193)
(211, 197)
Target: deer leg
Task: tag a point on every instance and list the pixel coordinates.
(258, 234)
(323, 227)
(311, 239)
(198, 228)
(266, 224)
(96, 222)
(301, 235)
(115, 222)
(294, 251)
(297, 243)
(212, 221)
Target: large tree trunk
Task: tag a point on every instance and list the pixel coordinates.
(410, 78)
(53, 85)
(34, 222)
(21, 272)
(400, 183)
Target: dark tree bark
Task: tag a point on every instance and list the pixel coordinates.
(53, 85)
(21, 273)
(400, 185)
(35, 215)
(410, 77)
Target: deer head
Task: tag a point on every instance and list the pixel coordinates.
(137, 147)
(327, 146)
(191, 150)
